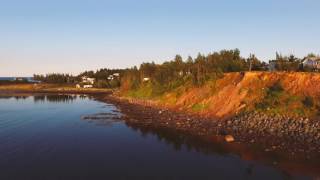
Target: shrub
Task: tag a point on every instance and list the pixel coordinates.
(272, 98)
(276, 87)
(308, 102)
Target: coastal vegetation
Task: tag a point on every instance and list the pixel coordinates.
(56, 78)
(219, 84)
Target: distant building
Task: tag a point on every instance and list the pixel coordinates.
(113, 76)
(110, 77)
(86, 79)
(146, 79)
(181, 73)
(88, 86)
(78, 86)
(311, 62)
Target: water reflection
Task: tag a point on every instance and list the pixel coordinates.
(214, 146)
(178, 140)
(55, 98)
(41, 98)
(14, 97)
(104, 119)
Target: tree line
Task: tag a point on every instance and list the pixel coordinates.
(195, 71)
(56, 78)
(100, 76)
(171, 74)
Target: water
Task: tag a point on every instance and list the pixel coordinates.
(7, 78)
(58, 137)
(29, 79)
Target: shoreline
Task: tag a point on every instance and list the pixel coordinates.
(205, 135)
(293, 138)
(242, 127)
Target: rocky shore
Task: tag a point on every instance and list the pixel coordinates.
(298, 135)
(295, 137)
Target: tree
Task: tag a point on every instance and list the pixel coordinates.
(287, 63)
(311, 55)
(254, 64)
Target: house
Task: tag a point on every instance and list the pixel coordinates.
(86, 79)
(146, 79)
(88, 86)
(110, 77)
(78, 86)
(113, 76)
(311, 62)
(181, 73)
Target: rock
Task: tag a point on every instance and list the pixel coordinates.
(229, 138)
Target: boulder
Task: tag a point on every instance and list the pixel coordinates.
(229, 138)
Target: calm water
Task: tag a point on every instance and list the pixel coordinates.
(13, 78)
(58, 137)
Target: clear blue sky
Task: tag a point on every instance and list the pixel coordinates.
(39, 36)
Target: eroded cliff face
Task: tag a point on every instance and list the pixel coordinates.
(237, 92)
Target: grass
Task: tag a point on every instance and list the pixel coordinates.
(144, 92)
(278, 101)
(199, 107)
(49, 88)
(272, 97)
(157, 91)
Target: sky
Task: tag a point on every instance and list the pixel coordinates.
(71, 36)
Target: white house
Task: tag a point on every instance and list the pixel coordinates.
(146, 79)
(87, 86)
(113, 76)
(86, 79)
(311, 62)
(110, 77)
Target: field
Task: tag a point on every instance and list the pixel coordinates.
(49, 88)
